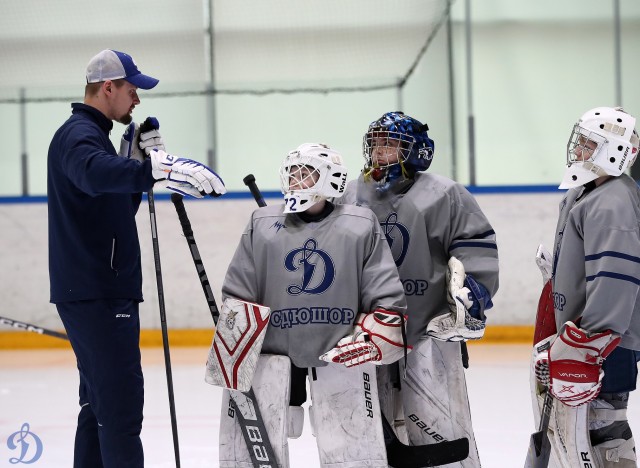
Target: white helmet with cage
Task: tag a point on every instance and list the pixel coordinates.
(603, 142)
(310, 173)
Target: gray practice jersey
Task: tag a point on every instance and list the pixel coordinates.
(596, 271)
(435, 219)
(316, 277)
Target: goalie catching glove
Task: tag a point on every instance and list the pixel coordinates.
(378, 337)
(575, 363)
(467, 301)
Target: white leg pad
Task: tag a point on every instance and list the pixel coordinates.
(391, 400)
(296, 421)
(346, 417)
(271, 384)
(569, 436)
(434, 395)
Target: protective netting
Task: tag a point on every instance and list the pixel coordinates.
(259, 47)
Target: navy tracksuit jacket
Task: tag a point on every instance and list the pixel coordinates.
(96, 282)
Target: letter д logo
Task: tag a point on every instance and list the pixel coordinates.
(27, 443)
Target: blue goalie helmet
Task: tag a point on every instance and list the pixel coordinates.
(395, 147)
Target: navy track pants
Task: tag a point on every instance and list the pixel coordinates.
(105, 336)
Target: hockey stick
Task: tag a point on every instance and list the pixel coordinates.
(245, 404)
(539, 451)
(250, 181)
(400, 455)
(31, 328)
(539, 444)
(146, 126)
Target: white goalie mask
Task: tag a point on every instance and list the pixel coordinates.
(603, 142)
(310, 173)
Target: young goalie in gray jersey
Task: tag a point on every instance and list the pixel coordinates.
(328, 276)
(445, 251)
(591, 364)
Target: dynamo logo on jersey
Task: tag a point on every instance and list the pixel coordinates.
(318, 270)
(397, 236)
(27, 444)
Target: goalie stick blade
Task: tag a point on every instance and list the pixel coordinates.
(400, 455)
(442, 453)
(540, 445)
(539, 451)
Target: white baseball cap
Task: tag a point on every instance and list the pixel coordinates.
(113, 65)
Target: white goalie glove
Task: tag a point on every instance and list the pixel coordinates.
(179, 171)
(458, 324)
(377, 338)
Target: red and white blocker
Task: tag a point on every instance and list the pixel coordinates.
(236, 345)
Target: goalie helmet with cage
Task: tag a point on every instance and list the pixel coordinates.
(310, 173)
(395, 147)
(603, 142)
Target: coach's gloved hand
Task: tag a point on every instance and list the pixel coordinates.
(150, 138)
(467, 300)
(180, 171)
(138, 140)
(377, 338)
(128, 148)
(575, 363)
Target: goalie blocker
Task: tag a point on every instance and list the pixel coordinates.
(236, 344)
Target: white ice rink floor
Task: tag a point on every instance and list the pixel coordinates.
(39, 387)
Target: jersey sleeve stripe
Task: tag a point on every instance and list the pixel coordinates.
(610, 274)
(485, 245)
(484, 235)
(611, 253)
